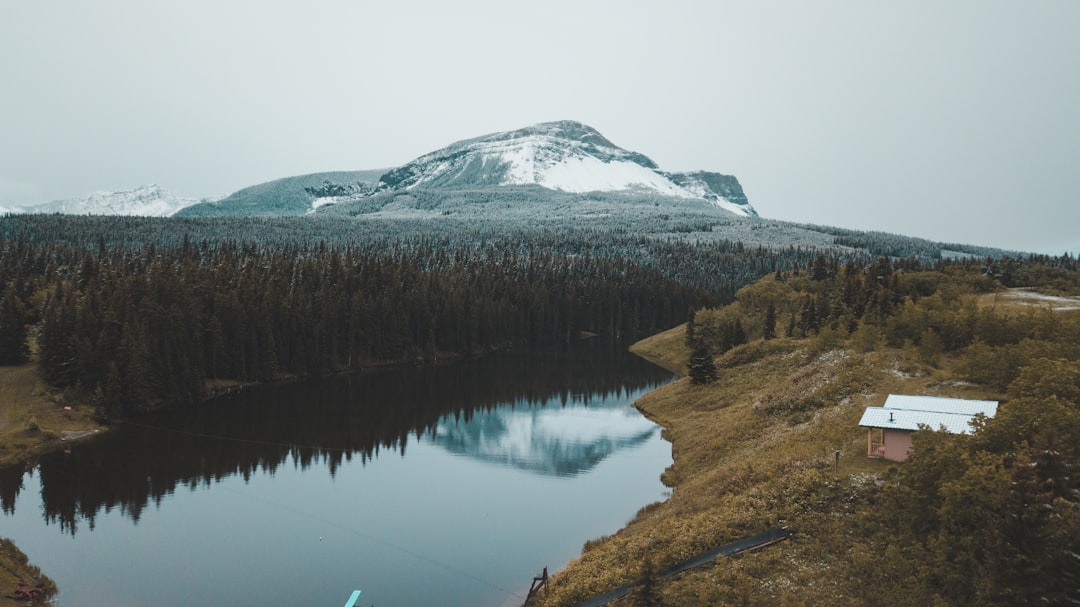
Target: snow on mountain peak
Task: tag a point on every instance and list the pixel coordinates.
(149, 200)
(563, 156)
(566, 156)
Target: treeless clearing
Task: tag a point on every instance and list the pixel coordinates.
(34, 418)
(1021, 299)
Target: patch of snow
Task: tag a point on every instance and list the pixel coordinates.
(325, 200)
(557, 164)
(1055, 302)
(588, 174)
(148, 201)
(738, 209)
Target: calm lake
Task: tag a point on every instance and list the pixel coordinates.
(449, 485)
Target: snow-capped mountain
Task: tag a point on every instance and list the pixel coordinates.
(554, 169)
(564, 156)
(149, 200)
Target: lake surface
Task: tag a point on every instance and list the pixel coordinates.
(450, 485)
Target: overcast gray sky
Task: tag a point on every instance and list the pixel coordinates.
(955, 121)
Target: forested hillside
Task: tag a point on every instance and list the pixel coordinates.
(765, 433)
(134, 329)
(131, 313)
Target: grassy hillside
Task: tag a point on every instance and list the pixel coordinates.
(33, 417)
(756, 449)
(15, 572)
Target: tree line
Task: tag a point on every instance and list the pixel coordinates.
(131, 313)
(129, 330)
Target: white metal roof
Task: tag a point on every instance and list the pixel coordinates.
(941, 404)
(903, 412)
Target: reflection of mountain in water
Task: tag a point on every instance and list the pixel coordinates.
(551, 440)
(328, 422)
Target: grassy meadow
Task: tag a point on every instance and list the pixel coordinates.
(33, 417)
(755, 449)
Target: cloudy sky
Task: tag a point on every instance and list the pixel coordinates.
(955, 121)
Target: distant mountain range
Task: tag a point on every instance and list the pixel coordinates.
(149, 200)
(552, 168)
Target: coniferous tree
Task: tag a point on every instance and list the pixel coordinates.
(136, 373)
(769, 331)
(734, 334)
(13, 347)
(110, 396)
(691, 336)
(59, 357)
(702, 367)
(819, 269)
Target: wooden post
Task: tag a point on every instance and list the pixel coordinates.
(837, 461)
(538, 582)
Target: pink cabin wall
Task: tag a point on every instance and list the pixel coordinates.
(897, 445)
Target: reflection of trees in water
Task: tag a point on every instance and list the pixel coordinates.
(328, 421)
(11, 482)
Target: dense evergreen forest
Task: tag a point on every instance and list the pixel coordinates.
(130, 314)
(133, 313)
(131, 330)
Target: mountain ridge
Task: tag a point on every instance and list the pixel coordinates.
(564, 156)
(545, 167)
(149, 200)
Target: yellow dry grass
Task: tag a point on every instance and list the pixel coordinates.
(667, 349)
(33, 418)
(753, 450)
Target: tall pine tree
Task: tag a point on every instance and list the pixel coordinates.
(702, 367)
(13, 347)
(769, 330)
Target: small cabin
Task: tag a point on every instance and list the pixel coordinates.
(889, 428)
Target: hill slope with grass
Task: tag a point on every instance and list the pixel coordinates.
(32, 420)
(989, 518)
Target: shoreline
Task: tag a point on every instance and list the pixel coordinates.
(52, 438)
(35, 418)
(723, 479)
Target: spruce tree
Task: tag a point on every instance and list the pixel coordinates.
(769, 331)
(702, 367)
(13, 347)
(691, 330)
